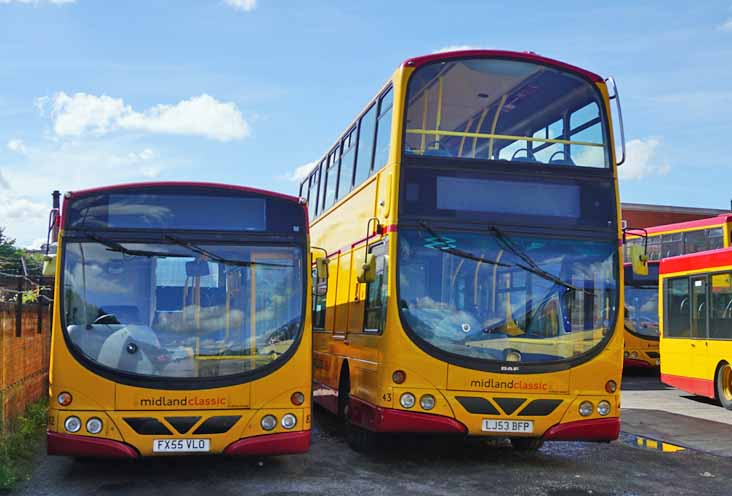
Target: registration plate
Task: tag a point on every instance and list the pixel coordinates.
(509, 426)
(181, 445)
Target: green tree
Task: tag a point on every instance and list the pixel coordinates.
(9, 254)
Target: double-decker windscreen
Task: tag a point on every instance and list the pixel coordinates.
(154, 300)
(497, 297)
(507, 110)
(641, 302)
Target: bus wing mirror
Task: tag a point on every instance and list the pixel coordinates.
(639, 260)
(321, 277)
(49, 266)
(368, 270)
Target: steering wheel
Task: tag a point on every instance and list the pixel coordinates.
(106, 315)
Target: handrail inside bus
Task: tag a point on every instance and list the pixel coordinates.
(438, 132)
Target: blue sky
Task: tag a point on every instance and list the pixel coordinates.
(97, 92)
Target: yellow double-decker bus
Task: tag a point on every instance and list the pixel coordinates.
(469, 219)
(641, 317)
(696, 324)
(181, 323)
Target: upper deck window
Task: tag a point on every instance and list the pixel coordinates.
(495, 109)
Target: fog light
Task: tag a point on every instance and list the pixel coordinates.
(611, 386)
(64, 399)
(72, 424)
(634, 354)
(399, 376)
(586, 408)
(603, 408)
(289, 421)
(407, 400)
(268, 422)
(297, 398)
(94, 425)
(427, 402)
(626, 354)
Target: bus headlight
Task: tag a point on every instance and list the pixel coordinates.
(94, 425)
(611, 386)
(289, 421)
(268, 422)
(626, 354)
(603, 408)
(407, 400)
(634, 354)
(586, 409)
(512, 356)
(297, 398)
(427, 402)
(72, 424)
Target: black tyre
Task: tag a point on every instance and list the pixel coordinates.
(723, 383)
(526, 444)
(359, 439)
(344, 393)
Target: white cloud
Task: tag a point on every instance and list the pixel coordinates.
(244, 5)
(726, 26)
(642, 160)
(301, 172)
(16, 145)
(3, 182)
(82, 113)
(37, 2)
(455, 48)
(37, 244)
(144, 155)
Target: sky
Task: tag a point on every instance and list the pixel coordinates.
(96, 92)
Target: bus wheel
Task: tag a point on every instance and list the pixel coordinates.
(360, 440)
(526, 444)
(724, 385)
(344, 392)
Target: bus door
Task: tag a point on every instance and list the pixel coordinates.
(699, 309)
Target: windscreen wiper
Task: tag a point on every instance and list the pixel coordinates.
(531, 265)
(114, 246)
(216, 258)
(458, 252)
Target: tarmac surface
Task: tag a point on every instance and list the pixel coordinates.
(409, 465)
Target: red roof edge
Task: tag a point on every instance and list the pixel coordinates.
(697, 261)
(692, 224)
(500, 54)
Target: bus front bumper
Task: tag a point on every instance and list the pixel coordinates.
(265, 445)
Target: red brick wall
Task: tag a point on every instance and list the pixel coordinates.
(648, 218)
(24, 359)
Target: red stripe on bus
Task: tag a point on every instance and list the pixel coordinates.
(696, 261)
(505, 54)
(379, 419)
(703, 387)
(75, 445)
(598, 430)
(285, 443)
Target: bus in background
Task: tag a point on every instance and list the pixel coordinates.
(641, 317)
(469, 219)
(182, 323)
(682, 238)
(696, 324)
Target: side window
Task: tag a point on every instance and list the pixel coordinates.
(720, 310)
(365, 152)
(695, 241)
(586, 127)
(313, 192)
(345, 182)
(331, 185)
(318, 307)
(383, 131)
(671, 245)
(654, 247)
(715, 238)
(699, 307)
(677, 304)
(376, 292)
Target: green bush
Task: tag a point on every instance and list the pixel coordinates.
(19, 443)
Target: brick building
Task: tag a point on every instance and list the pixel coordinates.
(642, 215)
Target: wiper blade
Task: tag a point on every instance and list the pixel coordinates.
(531, 265)
(114, 246)
(216, 258)
(458, 252)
